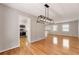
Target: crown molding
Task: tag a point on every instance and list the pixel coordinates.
(68, 20)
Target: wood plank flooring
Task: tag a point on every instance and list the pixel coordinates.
(46, 47)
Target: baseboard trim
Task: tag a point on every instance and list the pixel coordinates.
(37, 40)
(9, 48)
(64, 35)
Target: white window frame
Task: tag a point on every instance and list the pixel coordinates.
(65, 27)
(55, 27)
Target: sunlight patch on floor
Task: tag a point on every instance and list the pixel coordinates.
(55, 40)
(65, 43)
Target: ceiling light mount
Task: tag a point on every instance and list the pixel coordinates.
(46, 5)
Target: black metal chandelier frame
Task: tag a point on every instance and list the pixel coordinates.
(45, 19)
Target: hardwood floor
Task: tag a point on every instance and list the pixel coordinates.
(46, 47)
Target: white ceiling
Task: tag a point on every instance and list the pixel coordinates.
(58, 11)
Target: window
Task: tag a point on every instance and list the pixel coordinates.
(54, 27)
(48, 28)
(65, 27)
(46, 33)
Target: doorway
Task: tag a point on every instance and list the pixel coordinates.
(25, 34)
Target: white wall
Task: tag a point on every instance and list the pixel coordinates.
(78, 28)
(73, 29)
(9, 33)
(9, 28)
(37, 30)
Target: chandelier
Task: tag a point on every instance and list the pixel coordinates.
(45, 19)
